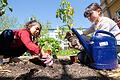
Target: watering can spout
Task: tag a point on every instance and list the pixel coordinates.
(82, 41)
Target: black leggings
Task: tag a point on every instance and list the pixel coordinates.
(6, 37)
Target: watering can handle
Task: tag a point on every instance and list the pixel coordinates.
(101, 31)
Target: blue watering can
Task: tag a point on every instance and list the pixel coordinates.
(101, 50)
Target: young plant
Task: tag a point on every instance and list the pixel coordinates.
(65, 13)
(49, 44)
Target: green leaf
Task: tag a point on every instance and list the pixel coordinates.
(2, 12)
(4, 2)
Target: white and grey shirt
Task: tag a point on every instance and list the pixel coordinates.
(105, 24)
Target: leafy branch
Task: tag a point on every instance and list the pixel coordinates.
(65, 13)
(3, 6)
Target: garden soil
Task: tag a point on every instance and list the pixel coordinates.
(62, 69)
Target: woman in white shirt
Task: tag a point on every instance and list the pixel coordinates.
(94, 14)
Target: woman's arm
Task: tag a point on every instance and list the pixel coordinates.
(89, 30)
(32, 47)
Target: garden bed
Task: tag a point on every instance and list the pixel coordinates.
(62, 69)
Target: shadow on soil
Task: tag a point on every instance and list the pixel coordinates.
(28, 76)
(64, 75)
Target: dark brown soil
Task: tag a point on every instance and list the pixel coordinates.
(61, 70)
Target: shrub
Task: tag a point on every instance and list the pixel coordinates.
(50, 43)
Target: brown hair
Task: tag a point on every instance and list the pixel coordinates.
(29, 24)
(92, 7)
(117, 20)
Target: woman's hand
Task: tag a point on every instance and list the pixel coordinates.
(76, 46)
(47, 59)
(73, 41)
